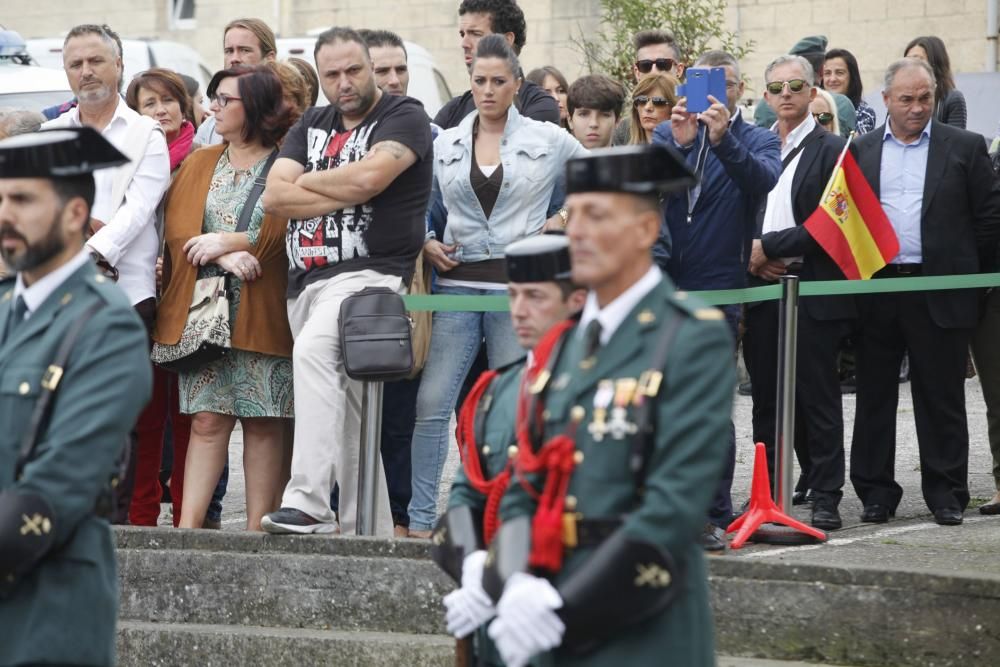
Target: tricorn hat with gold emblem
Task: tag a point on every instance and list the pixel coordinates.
(538, 259)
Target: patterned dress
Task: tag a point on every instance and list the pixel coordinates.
(242, 383)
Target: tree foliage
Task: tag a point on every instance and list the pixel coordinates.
(697, 26)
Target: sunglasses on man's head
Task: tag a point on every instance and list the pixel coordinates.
(795, 85)
(824, 118)
(657, 101)
(663, 64)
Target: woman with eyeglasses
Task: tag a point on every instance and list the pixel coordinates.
(495, 173)
(552, 81)
(824, 110)
(162, 95)
(841, 75)
(653, 100)
(253, 382)
(949, 102)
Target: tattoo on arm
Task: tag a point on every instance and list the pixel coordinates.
(393, 148)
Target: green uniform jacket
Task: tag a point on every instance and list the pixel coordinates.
(692, 431)
(64, 610)
(498, 438)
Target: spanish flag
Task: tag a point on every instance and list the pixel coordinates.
(850, 225)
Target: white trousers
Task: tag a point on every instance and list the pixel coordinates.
(328, 406)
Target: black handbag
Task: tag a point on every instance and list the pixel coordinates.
(375, 335)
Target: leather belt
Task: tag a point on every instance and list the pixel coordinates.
(899, 270)
(587, 532)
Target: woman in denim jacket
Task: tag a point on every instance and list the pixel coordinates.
(495, 173)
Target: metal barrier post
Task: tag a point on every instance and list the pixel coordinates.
(788, 324)
(371, 433)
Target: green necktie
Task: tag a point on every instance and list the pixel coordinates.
(592, 338)
(17, 312)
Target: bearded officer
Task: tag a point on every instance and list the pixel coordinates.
(68, 336)
(622, 433)
(541, 296)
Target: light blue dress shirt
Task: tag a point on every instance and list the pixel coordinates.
(902, 190)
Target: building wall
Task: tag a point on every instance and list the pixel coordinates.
(875, 30)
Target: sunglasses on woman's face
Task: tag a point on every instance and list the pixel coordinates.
(657, 101)
(795, 86)
(824, 118)
(663, 64)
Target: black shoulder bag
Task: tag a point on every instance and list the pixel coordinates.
(375, 335)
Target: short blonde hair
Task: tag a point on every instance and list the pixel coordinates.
(832, 103)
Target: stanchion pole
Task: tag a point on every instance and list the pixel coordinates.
(788, 325)
(371, 433)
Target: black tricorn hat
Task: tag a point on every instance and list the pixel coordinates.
(62, 153)
(638, 170)
(538, 259)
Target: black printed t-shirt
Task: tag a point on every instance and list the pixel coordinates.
(384, 234)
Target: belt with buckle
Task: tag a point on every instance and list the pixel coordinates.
(587, 532)
(898, 270)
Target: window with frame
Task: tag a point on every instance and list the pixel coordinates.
(181, 13)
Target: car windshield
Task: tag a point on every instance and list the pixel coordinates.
(35, 101)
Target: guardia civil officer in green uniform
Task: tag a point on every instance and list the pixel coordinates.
(68, 336)
(541, 296)
(622, 430)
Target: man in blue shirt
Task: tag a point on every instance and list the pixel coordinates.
(936, 187)
(707, 231)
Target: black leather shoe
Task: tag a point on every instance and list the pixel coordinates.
(825, 516)
(803, 497)
(876, 514)
(713, 538)
(948, 516)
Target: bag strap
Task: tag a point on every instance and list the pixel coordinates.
(49, 384)
(651, 384)
(258, 188)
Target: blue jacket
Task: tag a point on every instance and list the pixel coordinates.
(534, 156)
(710, 248)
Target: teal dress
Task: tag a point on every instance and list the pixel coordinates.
(242, 383)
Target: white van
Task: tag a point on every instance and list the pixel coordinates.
(33, 88)
(138, 55)
(426, 82)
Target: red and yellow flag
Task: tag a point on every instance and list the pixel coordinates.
(851, 226)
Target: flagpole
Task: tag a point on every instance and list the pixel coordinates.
(836, 168)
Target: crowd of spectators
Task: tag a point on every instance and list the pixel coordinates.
(357, 190)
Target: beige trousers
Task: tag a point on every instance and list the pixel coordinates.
(328, 406)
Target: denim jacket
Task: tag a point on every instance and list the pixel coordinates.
(533, 155)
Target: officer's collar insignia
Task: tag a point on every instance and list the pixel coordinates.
(646, 317)
(587, 363)
(561, 382)
(708, 314)
(652, 575)
(680, 295)
(6, 297)
(66, 298)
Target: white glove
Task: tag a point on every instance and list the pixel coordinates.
(527, 623)
(469, 606)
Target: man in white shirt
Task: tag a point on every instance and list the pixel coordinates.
(123, 218)
(244, 42)
(123, 221)
(808, 156)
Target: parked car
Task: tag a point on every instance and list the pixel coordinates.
(24, 85)
(426, 82)
(138, 55)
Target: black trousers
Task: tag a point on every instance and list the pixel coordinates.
(146, 310)
(892, 324)
(819, 419)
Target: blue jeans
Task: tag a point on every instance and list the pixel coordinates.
(721, 511)
(455, 340)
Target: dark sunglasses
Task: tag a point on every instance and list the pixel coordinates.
(824, 118)
(657, 101)
(662, 64)
(795, 85)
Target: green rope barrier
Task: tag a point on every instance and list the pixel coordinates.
(496, 304)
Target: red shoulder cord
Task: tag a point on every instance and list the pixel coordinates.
(465, 433)
(555, 458)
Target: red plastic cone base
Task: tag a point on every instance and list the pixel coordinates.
(762, 507)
